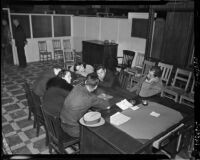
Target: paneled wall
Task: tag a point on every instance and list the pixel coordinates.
(117, 29)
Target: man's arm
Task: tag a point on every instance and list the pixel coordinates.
(99, 103)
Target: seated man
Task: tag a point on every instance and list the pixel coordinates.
(82, 69)
(39, 86)
(107, 77)
(78, 102)
(58, 88)
(149, 85)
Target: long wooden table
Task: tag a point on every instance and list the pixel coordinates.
(108, 139)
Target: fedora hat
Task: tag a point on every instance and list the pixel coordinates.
(94, 119)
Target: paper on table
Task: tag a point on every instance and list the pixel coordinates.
(118, 119)
(135, 108)
(154, 114)
(124, 104)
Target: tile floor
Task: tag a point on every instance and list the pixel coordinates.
(19, 136)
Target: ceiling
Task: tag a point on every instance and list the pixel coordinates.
(76, 9)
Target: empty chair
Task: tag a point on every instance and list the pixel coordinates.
(29, 101)
(38, 115)
(44, 55)
(124, 79)
(138, 63)
(58, 139)
(127, 59)
(166, 72)
(188, 98)
(169, 144)
(145, 69)
(179, 85)
(78, 56)
(58, 52)
(68, 54)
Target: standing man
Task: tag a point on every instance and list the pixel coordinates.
(5, 40)
(20, 42)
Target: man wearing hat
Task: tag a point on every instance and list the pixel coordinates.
(78, 102)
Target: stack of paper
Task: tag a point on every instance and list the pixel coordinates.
(124, 104)
(118, 118)
(155, 114)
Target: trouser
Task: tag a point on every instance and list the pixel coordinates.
(21, 55)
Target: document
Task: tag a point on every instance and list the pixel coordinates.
(124, 104)
(155, 114)
(118, 119)
(135, 108)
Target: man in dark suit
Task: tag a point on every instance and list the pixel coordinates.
(39, 86)
(78, 102)
(107, 77)
(20, 42)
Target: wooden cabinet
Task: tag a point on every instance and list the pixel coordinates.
(96, 52)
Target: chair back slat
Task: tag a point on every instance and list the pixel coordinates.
(193, 84)
(53, 125)
(28, 95)
(56, 44)
(139, 60)
(183, 77)
(42, 46)
(66, 45)
(147, 66)
(123, 79)
(166, 71)
(37, 105)
(128, 57)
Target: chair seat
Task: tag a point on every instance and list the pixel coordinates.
(45, 53)
(173, 91)
(68, 140)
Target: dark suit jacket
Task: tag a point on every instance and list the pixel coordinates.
(19, 36)
(110, 80)
(54, 99)
(39, 86)
(76, 105)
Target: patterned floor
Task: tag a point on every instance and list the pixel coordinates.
(19, 136)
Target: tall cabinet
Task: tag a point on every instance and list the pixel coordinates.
(97, 52)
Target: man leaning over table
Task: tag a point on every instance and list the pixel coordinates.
(78, 102)
(39, 86)
(150, 84)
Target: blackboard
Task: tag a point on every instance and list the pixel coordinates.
(139, 28)
(62, 26)
(24, 21)
(41, 26)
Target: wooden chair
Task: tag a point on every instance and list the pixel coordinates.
(28, 93)
(145, 69)
(188, 98)
(127, 59)
(124, 79)
(58, 139)
(43, 53)
(169, 144)
(166, 72)
(68, 54)
(179, 85)
(39, 116)
(78, 56)
(58, 52)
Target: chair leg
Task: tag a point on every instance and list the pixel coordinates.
(29, 114)
(34, 123)
(50, 149)
(38, 129)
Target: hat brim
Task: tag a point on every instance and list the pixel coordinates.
(102, 121)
